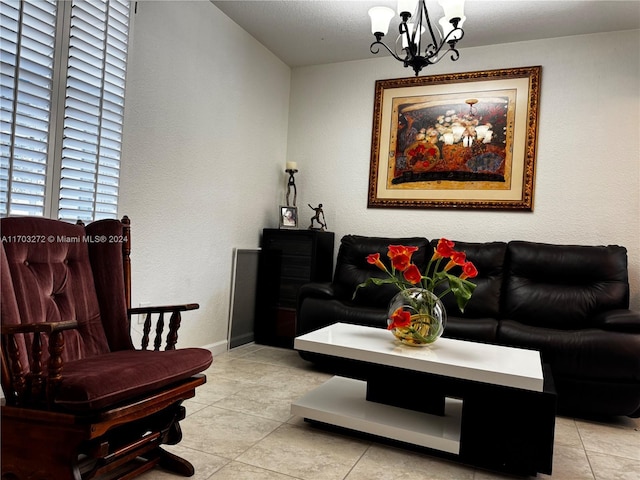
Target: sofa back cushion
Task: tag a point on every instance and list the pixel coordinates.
(559, 286)
(489, 259)
(352, 267)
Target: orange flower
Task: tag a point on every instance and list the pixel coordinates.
(401, 256)
(469, 270)
(374, 259)
(406, 275)
(399, 319)
(444, 249)
(457, 258)
(412, 274)
(401, 262)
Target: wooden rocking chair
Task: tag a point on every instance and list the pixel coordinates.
(80, 401)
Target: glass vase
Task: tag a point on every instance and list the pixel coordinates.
(428, 316)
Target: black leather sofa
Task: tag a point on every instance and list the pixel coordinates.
(569, 302)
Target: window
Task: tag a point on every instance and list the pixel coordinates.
(62, 107)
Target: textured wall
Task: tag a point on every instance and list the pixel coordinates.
(212, 116)
(203, 157)
(587, 188)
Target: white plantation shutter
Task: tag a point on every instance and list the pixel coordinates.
(83, 150)
(94, 110)
(26, 79)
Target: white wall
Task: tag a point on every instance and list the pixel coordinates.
(587, 188)
(203, 156)
(209, 125)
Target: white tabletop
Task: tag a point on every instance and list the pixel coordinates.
(494, 364)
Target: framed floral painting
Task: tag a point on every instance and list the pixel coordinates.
(463, 140)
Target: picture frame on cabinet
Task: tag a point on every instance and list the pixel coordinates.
(288, 216)
(461, 140)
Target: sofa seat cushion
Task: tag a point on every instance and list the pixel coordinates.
(105, 380)
(316, 313)
(483, 330)
(587, 353)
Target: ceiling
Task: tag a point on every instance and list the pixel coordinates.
(312, 32)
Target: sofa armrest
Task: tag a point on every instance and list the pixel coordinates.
(621, 320)
(316, 290)
(322, 290)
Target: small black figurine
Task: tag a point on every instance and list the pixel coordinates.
(316, 217)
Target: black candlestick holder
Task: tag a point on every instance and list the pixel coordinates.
(292, 184)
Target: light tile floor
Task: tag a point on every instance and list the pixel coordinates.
(239, 427)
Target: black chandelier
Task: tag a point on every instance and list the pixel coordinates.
(411, 48)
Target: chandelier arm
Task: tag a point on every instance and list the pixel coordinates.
(431, 50)
(423, 8)
(409, 50)
(377, 42)
(455, 55)
(455, 30)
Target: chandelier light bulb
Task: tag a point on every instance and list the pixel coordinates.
(452, 8)
(380, 19)
(411, 27)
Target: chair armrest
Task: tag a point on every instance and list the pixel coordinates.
(43, 327)
(621, 320)
(34, 388)
(163, 309)
(174, 323)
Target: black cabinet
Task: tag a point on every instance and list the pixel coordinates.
(288, 260)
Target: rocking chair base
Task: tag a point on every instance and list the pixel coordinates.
(122, 444)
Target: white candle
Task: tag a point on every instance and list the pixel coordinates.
(292, 166)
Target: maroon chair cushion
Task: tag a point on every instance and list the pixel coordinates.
(53, 281)
(105, 380)
(9, 308)
(105, 253)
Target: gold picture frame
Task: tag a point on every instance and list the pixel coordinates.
(460, 140)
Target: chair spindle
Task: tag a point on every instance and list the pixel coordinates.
(159, 327)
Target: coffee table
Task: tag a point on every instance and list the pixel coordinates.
(485, 405)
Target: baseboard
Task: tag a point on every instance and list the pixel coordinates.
(217, 348)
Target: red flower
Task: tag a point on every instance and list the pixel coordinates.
(457, 258)
(444, 249)
(469, 270)
(419, 150)
(374, 259)
(401, 256)
(412, 274)
(401, 262)
(399, 319)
